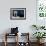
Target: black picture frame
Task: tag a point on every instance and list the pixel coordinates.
(17, 13)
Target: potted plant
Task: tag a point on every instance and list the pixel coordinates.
(38, 27)
(39, 35)
(42, 27)
(35, 26)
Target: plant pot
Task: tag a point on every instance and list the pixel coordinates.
(40, 41)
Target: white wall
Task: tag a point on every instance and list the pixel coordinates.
(24, 25)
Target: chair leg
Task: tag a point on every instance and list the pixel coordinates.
(5, 43)
(5, 40)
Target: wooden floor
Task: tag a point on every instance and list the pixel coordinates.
(13, 44)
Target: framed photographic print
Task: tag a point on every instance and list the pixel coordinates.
(41, 12)
(17, 13)
(41, 8)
